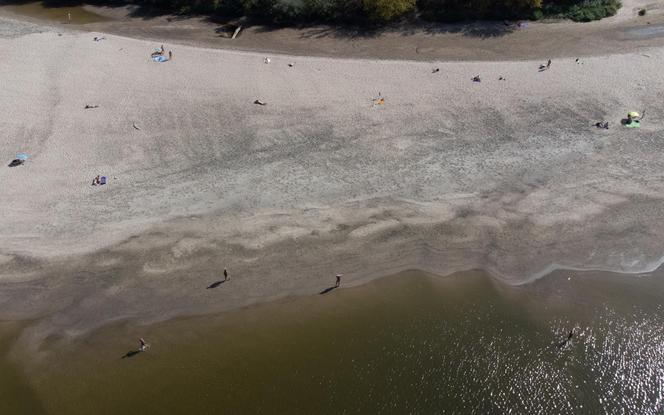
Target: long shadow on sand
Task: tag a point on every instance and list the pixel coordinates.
(327, 290)
(215, 284)
(131, 353)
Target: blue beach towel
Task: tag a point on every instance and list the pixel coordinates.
(159, 58)
(22, 156)
(102, 180)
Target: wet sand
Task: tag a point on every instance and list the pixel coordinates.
(411, 342)
(449, 175)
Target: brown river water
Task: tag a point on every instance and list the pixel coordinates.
(60, 14)
(409, 343)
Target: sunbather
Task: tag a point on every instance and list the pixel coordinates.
(159, 52)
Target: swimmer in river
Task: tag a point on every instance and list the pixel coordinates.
(567, 340)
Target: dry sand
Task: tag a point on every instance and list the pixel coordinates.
(448, 175)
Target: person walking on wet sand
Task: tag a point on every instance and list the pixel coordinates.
(548, 64)
(226, 277)
(144, 346)
(338, 283)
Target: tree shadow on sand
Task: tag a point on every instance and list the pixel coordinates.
(476, 29)
(318, 30)
(314, 30)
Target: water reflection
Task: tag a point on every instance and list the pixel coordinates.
(408, 344)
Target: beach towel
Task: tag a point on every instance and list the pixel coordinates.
(102, 180)
(633, 124)
(159, 58)
(22, 156)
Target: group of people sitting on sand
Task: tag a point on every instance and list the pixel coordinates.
(162, 52)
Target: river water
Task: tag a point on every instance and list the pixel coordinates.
(54, 12)
(410, 343)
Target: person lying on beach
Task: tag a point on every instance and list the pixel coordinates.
(159, 52)
(602, 124)
(95, 181)
(88, 106)
(99, 39)
(477, 79)
(259, 102)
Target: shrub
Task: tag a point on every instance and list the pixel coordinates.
(455, 10)
(359, 12)
(287, 11)
(581, 10)
(386, 10)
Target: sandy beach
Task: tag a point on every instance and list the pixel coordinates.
(448, 175)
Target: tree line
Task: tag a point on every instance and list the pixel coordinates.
(378, 12)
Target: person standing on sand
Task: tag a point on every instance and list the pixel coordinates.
(144, 346)
(226, 277)
(338, 283)
(170, 55)
(548, 64)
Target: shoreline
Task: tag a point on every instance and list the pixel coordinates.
(341, 183)
(591, 303)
